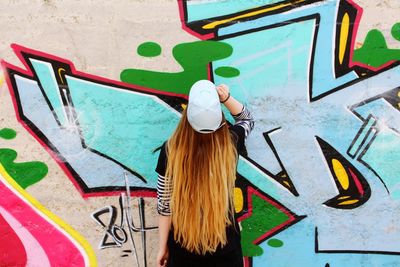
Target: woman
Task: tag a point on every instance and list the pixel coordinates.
(196, 177)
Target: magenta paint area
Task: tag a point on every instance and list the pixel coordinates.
(34, 239)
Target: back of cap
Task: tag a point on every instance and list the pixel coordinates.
(204, 109)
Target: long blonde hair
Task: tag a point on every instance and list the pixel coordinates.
(202, 172)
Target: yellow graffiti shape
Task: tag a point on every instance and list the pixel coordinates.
(349, 202)
(341, 174)
(344, 35)
(60, 75)
(238, 199)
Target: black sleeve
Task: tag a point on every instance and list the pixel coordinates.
(162, 161)
(240, 137)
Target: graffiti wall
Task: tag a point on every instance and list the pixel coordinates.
(87, 100)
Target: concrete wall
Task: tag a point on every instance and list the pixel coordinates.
(91, 88)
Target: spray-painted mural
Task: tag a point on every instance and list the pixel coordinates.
(319, 184)
(333, 152)
(30, 234)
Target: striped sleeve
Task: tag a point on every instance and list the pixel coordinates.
(163, 196)
(245, 120)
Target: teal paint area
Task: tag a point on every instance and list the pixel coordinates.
(45, 73)
(299, 250)
(24, 173)
(363, 137)
(95, 171)
(319, 62)
(199, 10)
(268, 61)
(122, 124)
(384, 156)
(7, 133)
(254, 176)
(193, 57)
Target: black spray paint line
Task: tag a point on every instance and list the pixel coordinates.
(142, 226)
(117, 232)
(110, 228)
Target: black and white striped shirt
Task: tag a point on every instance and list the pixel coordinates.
(244, 123)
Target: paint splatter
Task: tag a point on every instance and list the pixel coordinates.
(7, 133)
(227, 72)
(194, 58)
(25, 173)
(374, 51)
(396, 31)
(149, 49)
(275, 243)
(265, 217)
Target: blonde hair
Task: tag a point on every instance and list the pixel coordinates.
(202, 170)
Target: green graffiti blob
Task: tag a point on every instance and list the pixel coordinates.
(275, 243)
(396, 31)
(25, 173)
(374, 51)
(7, 133)
(149, 49)
(265, 217)
(227, 72)
(193, 57)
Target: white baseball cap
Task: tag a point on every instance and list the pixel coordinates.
(204, 111)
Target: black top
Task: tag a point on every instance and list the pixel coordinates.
(232, 231)
(244, 123)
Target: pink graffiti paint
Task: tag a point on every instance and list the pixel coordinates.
(43, 242)
(182, 14)
(357, 182)
(34, 253)
(12, 251)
